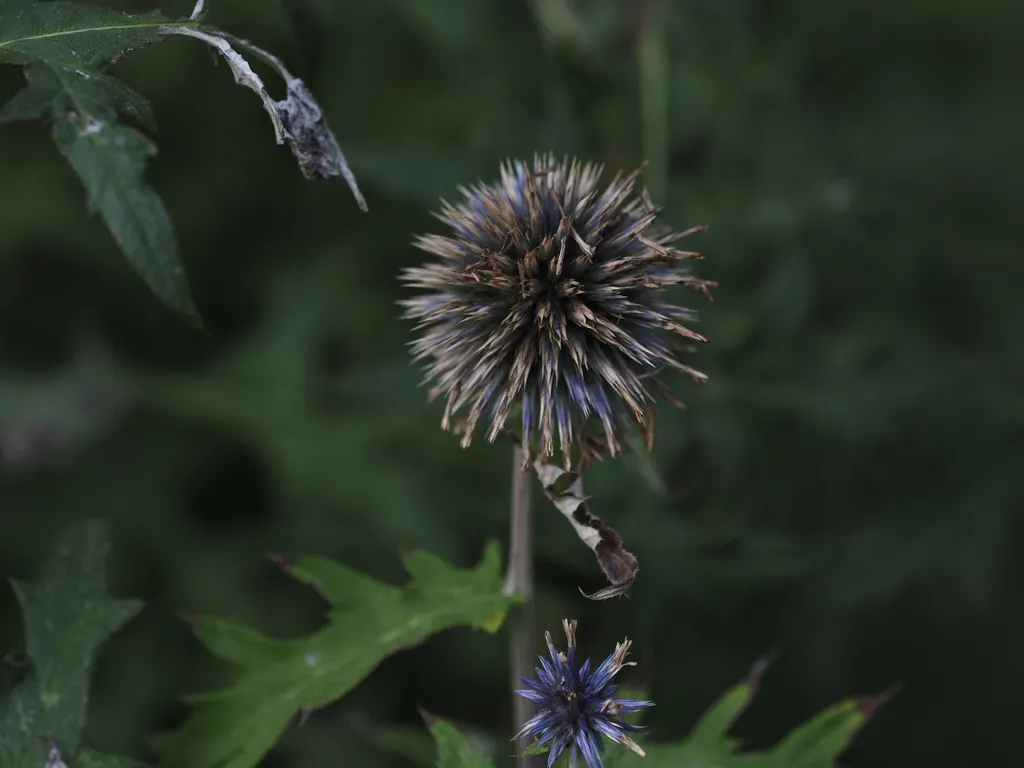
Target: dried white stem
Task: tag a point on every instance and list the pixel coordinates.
(239, 68)
(297, 120)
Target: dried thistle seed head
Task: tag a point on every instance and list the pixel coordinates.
(547, 297)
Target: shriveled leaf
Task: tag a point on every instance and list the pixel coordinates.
(368, 621)
(311, 140)
(298, 120)
(564, 489)
(67, 618)
(453, 749)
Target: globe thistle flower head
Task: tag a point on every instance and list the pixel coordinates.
(577, 704)
(546, 298)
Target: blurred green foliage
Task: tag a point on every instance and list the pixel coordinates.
(818, 743)
(453, 749)
(66, 50)
(843, 488)
(67, 617)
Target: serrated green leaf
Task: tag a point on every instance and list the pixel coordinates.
(67, 618)
(536, 748)
(110, 159)
(815, 744)
(27, 104)
(368, 621)
(819, 742)
(72, 35)
(454, 750)
(65, 47)
(712, 729)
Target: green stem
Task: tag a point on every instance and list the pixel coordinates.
(653, 67)
(519, 581)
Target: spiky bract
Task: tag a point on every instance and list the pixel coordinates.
(577, 704)
(547, 297)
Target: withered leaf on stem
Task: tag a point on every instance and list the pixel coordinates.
(565, 490)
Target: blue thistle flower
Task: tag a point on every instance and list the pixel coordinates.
(577, 704)
(547, 297)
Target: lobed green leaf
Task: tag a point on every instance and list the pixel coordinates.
(67, 618)
(454, 750)
(65, 48)
(368, 621)
(815, 744)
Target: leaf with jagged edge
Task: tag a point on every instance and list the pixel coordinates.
(817, 743)
(72, 35)
(454, 750)
(368, 621)
(67, 617)
(65, 48)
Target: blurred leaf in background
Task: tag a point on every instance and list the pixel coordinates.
(453, 749)
(845, 487)
(67, 617)
(818, 743)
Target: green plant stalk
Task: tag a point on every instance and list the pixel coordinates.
(519, 581)
(653, 86)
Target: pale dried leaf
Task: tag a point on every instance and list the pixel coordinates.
(565, 490)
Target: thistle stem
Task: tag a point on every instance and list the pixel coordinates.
(519, 581)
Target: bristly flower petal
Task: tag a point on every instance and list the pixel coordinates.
(577, 706)
(545, 297)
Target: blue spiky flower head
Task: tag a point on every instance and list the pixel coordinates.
(577, 704)
(547, 296)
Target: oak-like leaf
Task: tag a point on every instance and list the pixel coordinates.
(67, 617)
(369, 620)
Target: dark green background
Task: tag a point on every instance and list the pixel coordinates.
(845, 489)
